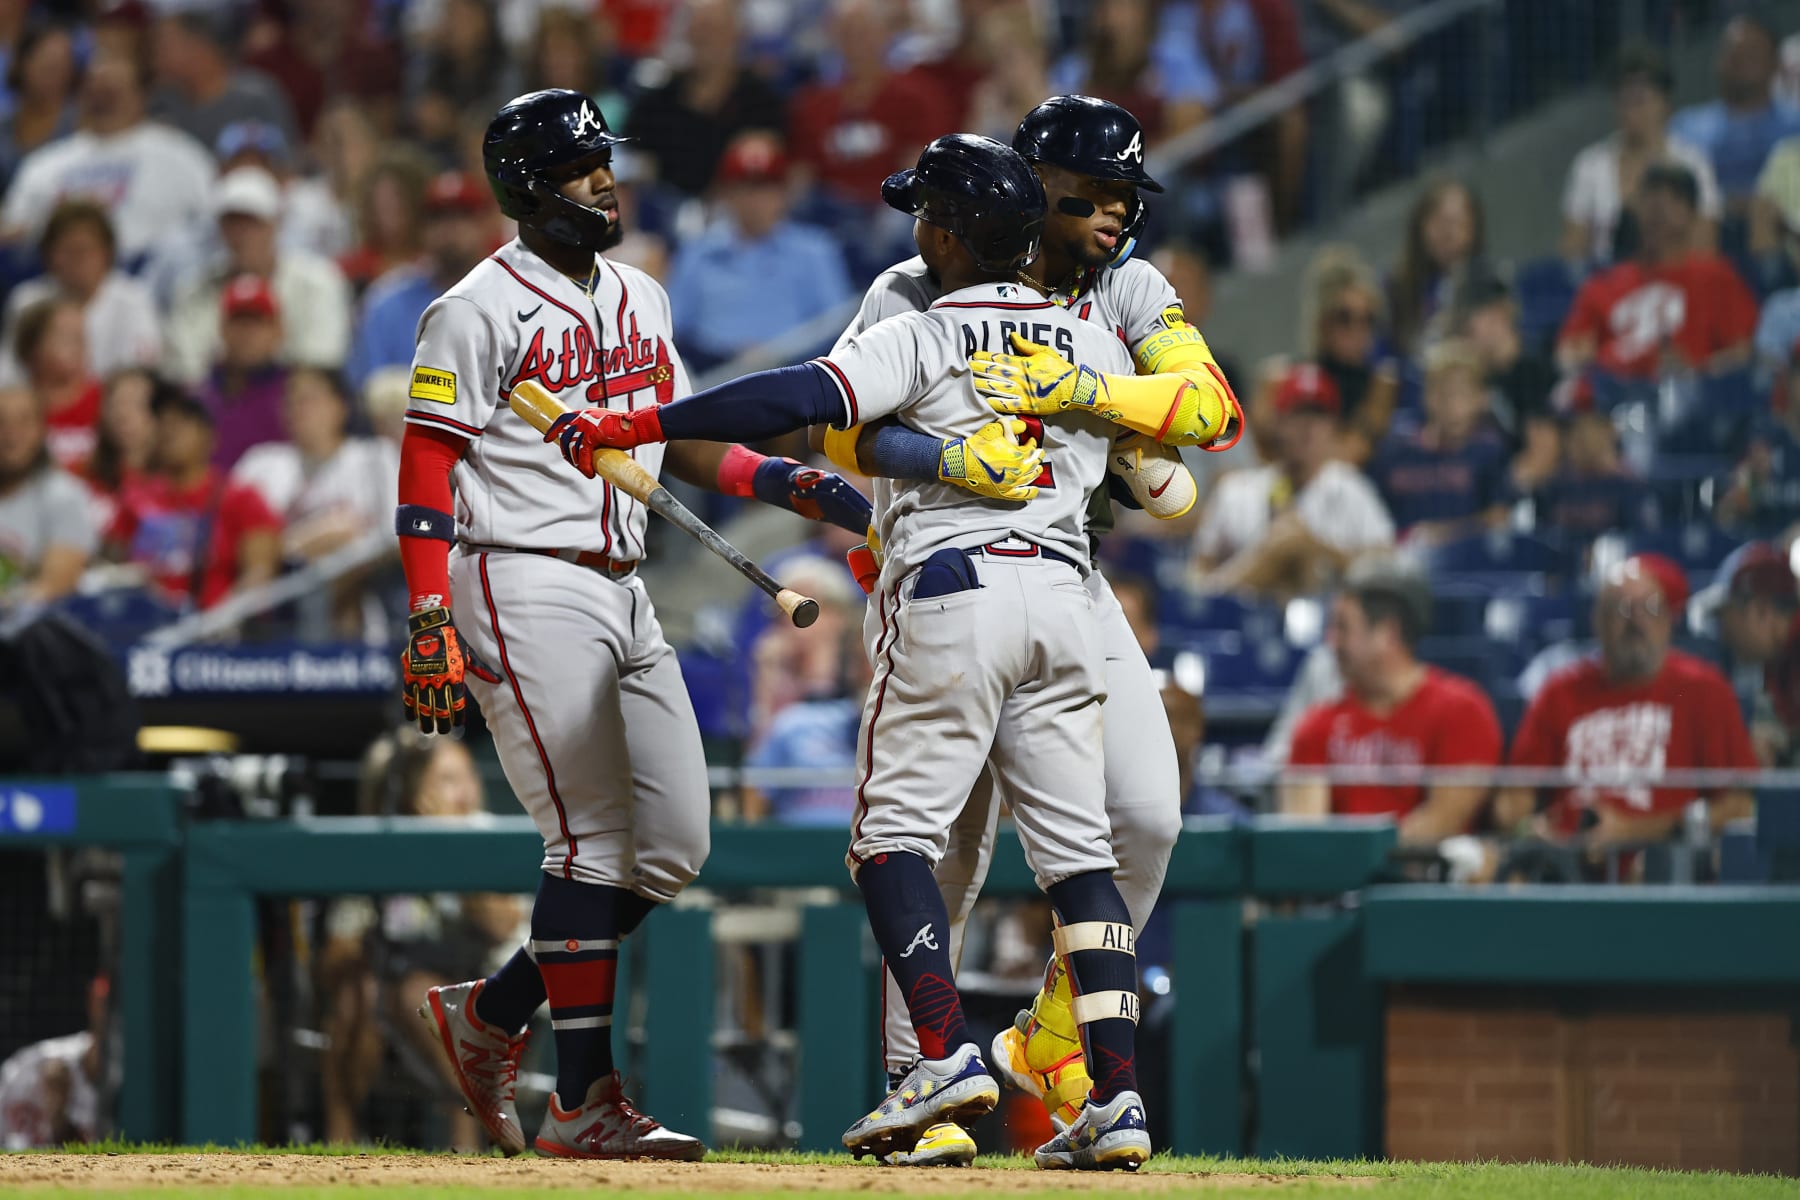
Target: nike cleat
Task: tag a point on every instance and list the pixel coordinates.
(944, 1145)
(956, 1089)
(1111, 1137)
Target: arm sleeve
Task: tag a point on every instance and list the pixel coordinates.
(455, 385)
(757, 406)
(427, 455)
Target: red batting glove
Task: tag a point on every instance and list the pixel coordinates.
(582, 432)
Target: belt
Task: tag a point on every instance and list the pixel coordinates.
(591, 559)
(1020, 548)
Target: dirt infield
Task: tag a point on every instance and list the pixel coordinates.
(115, 1172)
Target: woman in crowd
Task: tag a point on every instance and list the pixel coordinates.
(1445, 233)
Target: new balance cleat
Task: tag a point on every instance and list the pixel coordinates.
(484, 1059)
(956, 1089)
(1111, 1137)
(1062, 1087)
(607, 1126)
(945, 1145)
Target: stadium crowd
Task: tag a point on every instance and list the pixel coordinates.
(220, 222)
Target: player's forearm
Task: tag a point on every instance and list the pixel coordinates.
(754, 407)
(1447, 811)
(422, 521)
(1179, 396)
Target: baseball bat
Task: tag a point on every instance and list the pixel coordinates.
(540, 409)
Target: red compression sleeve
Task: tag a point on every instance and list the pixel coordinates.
(426, 456)
(737, 471)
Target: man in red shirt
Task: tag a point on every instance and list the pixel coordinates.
(1672, 305)
(1395, 712)
(196, 533)
(1639, 707)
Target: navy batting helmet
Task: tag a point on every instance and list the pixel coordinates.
(977, 189)
(1093, 137)
(534, 144)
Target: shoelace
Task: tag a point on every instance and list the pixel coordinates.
(509, 1071)
(637, 1120)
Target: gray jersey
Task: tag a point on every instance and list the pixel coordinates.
(515, 317)
(1133, 302)
(916, 366)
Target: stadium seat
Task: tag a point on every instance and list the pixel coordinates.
(1488, 663)
(1695, 545)
(1529, 621)
(1546, 290)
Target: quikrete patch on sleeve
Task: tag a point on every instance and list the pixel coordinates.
(430, 383)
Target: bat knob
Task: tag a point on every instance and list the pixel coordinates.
(805, 613)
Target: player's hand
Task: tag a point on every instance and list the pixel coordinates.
(815, 494)
(865, 562)
(431, 672)
(993, 462)
(580, 432)
(1037, 381)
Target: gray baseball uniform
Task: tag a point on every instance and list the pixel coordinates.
(542, 577)
(1004, 673)
(1143, 800)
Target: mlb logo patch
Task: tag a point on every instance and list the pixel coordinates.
(429, 383)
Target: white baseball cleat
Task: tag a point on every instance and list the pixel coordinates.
(956, 1089)
(484, 1059)
(1109, 1137)
(607, 1126)
(945, 1145)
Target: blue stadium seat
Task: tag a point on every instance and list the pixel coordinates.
(1487, 663)
(1529, 621)
(1503, 552)
(119, 616)
(1696, 545)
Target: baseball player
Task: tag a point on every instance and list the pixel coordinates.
(982, 637)
(1089, 155)
(552, 624)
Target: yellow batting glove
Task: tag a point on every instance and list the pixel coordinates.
(1037, 381)
(993, 462)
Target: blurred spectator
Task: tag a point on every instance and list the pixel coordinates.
(123, 442)
(645, 249)
(807, 696)
(384, 400)
(1285, 154)
(1593, 492)
(247, 204)
(1446, 478)
(685, 123)
(1342, 312)
(41, 75)
(202, 89)
(151, 179)
(1606, 173)
(1775, 208)
(1445, 236)
(1738, 130)
(328, 487)
(754, 274)
(850, 135)
(1638, 706)
(1671, 307)
(311, 218)
(1286, 528)
(379, 956)
(198, 535)
(244, 390)
(1008, 42)
(459, 229)
(1778, 330)
(50, 1093)
(1126, 58)
(47, 533)
(50, 341)
(80, 264)
(1396, 712)
(274, 44)
(568, 50)
(1761, 494)
(1756, 607)
(1139, 600)
(1519, 382)
(390, 203)
(461, 60)
(1187, 725)
(345, 148)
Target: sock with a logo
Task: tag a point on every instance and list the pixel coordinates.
(912, 927)
(575, 940)
(510, 995)
(1096, 943)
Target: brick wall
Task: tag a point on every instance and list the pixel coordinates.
(1514, 1076)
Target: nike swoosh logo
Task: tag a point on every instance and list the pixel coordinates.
(996, 476)
(526, 316)
(1158, 491)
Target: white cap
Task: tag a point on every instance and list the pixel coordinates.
(248, 190)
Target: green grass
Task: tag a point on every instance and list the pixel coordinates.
(1385, 1180)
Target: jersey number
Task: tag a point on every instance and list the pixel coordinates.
(1034, 428)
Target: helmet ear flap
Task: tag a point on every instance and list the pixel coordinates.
(1133, 230)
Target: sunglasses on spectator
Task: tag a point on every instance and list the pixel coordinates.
(1351, 317)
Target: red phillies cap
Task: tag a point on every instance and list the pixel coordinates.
(1305, 386)
(1665, 572)
(1760, 569)
(456, 191)
(754, 158)
(248, 296)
